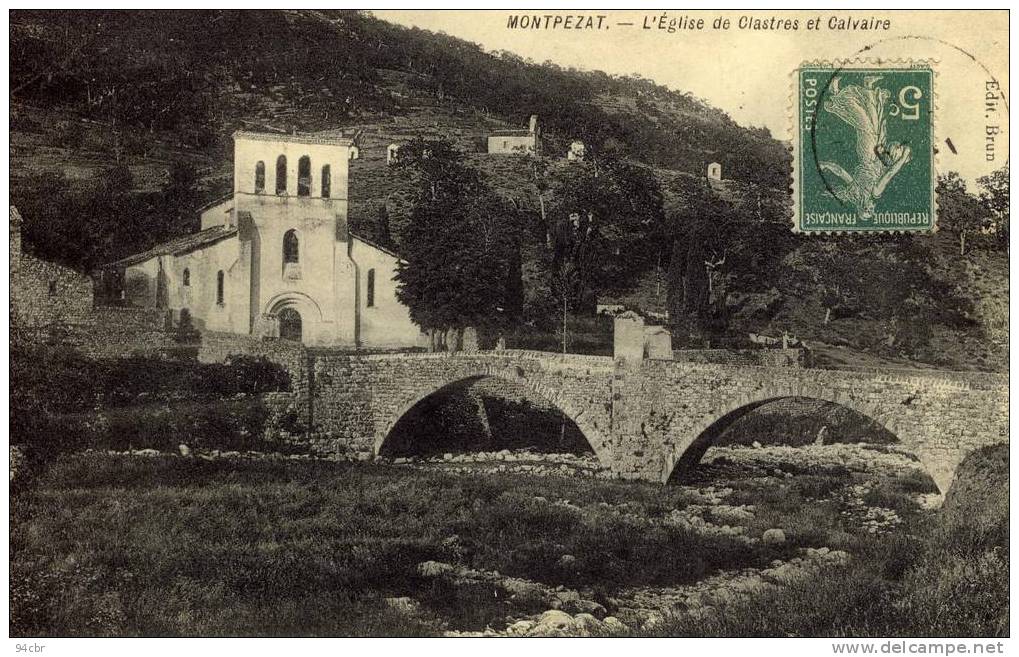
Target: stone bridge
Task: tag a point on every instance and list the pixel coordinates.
(642, 418)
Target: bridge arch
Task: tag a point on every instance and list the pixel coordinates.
(593, 434)
(705, 432)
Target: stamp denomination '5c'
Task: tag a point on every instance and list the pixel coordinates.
(864, 148)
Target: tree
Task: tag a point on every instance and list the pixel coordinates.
(994, 196)
(180, 193)
(959, 211)
(601, 218)
(716, 250)
(458, 248)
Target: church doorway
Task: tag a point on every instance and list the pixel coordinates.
(290, 324)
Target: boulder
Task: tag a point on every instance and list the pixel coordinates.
(614, 625)
(404, 605)
(184, 449)
(773, 536)
(784, 574)
(584, 607)
(566, 561)
(434, 569)
(652, 619)
(520, 628)
(553, 623)
(523, 590)
(586, 624)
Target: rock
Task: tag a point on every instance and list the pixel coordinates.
(146, 452)
(756, 445)
(784, 574)
(567, 597)
(586, 624)
(553, 623)
(448, 456)
(434, 568)
(652, 620)
(401, 460)
(520, 628)
(613, 624)
(404, 605)
(773, 537)
(837, 557)
(585, 607)
(184, 449)
(566, 561)
(523, 590)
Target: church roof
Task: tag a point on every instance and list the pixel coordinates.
(180, 245)
(511, 133)
(374, 245)
(306, 138)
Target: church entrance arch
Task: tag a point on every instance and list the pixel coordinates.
(290, 324)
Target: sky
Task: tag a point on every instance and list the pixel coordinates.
(747, 72)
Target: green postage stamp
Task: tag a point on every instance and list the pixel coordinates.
(863, 152)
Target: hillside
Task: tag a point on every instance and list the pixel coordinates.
(185, 80)
(148, 101)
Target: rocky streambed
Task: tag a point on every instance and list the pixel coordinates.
(572, 612)
(720, 505)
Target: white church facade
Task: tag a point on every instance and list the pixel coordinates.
(276, 258)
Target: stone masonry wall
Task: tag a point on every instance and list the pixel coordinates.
(105, 332)
(218, 347)
(940, 418)
(360, 398)
(640, 419)
(747, 357)
(44, 293)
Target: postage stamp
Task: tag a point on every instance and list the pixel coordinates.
(864, 147)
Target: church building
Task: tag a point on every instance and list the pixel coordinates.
(276, 258)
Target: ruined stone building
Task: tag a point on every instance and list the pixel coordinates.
(276, 258)
(516, 142)
(44, 293)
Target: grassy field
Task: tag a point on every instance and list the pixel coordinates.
(113, 546)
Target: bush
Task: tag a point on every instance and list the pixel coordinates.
(64, 402)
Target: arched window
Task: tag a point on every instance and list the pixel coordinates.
(219, 287)
(186, 276)
(304, 176)
(281, 174)
(370, 292)
(260, 177)
(291, 247)
(327, 181)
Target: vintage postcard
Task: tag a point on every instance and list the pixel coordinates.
(509, 323)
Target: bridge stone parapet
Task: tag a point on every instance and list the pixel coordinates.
(646, 418)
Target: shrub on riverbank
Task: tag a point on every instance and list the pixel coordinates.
(950, 581)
